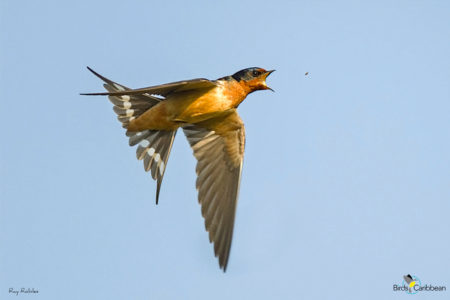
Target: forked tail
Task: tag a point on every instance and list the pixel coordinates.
(154, 149)
(153, 146)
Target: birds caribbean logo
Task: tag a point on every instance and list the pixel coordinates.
(206, 112)
(411, 282)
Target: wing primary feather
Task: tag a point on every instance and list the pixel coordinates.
(219, 155)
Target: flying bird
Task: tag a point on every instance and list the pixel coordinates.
(206, 111)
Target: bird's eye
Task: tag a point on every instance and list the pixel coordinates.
(256, 73)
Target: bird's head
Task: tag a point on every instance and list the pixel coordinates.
(253, 78)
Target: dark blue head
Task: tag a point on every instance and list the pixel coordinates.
(255, 78)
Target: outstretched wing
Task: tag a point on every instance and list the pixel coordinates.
(161, 90)
(218, 145)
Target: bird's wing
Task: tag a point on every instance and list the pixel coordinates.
(218, 145)
(164, 89)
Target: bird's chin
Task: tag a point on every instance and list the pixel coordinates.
(264, 86)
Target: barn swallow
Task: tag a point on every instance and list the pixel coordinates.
(206, 111)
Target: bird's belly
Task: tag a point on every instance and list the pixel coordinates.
(189, 107)
(207, 106)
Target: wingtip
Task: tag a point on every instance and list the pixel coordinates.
(223, 264)
(158, 188)
(93, 72)
(94, 94)
(224, 259)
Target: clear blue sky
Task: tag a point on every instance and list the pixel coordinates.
(346, 180)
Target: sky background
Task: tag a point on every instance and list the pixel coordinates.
(346, 179)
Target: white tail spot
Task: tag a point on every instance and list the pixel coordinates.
(129, 112)
(144, 143)
(161, 168)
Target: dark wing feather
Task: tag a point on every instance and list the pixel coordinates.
(219, 150)
(163, 89)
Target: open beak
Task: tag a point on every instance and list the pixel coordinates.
(265, 75)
